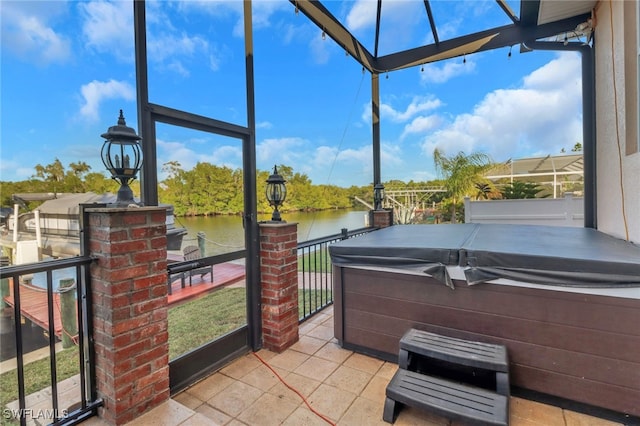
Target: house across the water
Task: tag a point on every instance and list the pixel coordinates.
(53, 229)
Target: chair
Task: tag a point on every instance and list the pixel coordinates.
(194, 253)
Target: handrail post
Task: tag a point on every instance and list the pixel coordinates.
(68, 311)
(345, 233)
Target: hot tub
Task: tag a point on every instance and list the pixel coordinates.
(564, 301)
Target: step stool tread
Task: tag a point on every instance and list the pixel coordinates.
(450, 399)
(459, 351)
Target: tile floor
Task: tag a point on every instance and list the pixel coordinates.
(345, 387)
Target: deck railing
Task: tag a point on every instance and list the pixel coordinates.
(37, 300)
(314, 271)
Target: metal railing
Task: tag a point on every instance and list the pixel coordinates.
(64, 313)
(315, 289)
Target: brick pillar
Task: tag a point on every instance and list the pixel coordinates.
(129, 284)
(279, 294)
(382, 218)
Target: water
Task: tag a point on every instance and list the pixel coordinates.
(33, 337)
(225, 233)
(39, 279)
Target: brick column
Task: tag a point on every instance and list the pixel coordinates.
(129, 284)
(382, 218)
(279, 294)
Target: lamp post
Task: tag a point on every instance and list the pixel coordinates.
(378, 196)
(276, 193)
(121, 155)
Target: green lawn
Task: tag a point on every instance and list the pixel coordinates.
(37, 375)
(316, 261)
(203, 320)
(311, 300)
(190, 326)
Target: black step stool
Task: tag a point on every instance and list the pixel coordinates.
(452, 400)
(417, 345)
(459, 379)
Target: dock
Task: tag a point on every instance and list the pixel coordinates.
(224, 274)
(33, 304)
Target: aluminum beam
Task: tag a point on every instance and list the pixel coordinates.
(318, 14)
(524, 30)
(494, 38)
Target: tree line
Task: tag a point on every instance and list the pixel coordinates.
(208, 189)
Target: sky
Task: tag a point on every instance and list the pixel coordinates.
(67, 68)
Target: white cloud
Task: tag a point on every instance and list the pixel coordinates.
(177, 67)
(555, 75)
(399, 20)
(226, 155)
(108, 28)
(175, 151)
(261, 11)
(264, 125)
(291, 32)
(171, 49)
(421, 124)
(319, 49)
(362, 15)
(442, 72)
(214, 62)
(417, 105)
(346, 166)
(10, 169)
(190, 152)
(27, 34)
(324, 156)
(341, 167)
(287, 150)
(95, 92)
(540, 117)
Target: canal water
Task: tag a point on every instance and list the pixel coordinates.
(225, 233)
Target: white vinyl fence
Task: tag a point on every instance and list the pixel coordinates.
(566, 211)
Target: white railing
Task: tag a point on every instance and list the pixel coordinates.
(566, 211)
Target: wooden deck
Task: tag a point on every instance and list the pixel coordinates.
(34, 306)
(224, 274)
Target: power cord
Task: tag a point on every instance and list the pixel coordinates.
(615, 108)
(323, 417)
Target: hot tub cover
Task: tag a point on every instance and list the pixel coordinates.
(566, 256)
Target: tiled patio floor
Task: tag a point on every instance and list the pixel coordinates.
(346, 387)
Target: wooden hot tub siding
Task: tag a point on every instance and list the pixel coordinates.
(581, 347)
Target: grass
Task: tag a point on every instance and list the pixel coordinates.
(315, 261)
(190, 325)
(311, 300)
(202, 320)
(37, 376)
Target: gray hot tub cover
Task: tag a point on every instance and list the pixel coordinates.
(566, 256)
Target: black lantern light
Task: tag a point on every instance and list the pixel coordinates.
(276, 193)
(121, 155)
(378, 196)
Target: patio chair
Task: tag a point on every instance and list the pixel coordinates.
(194, 253)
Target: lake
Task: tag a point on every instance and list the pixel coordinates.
(225, 233)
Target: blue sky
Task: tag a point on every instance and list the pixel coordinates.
(68, 68)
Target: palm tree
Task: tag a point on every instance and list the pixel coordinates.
(460, 173)
(518, 190)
